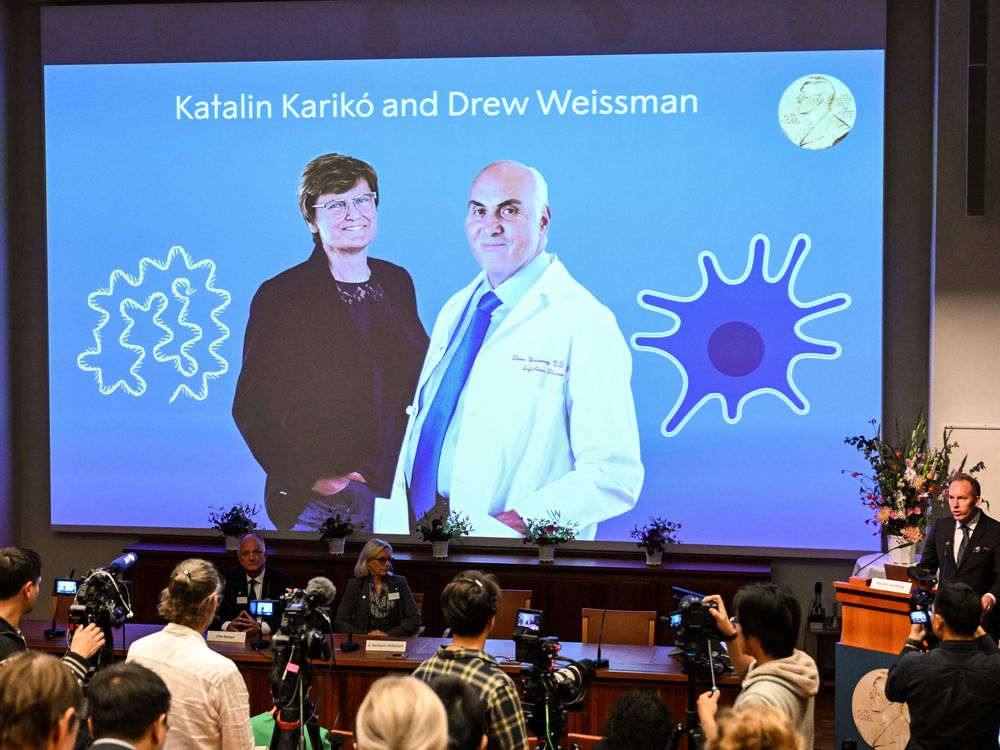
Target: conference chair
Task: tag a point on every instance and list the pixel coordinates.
(511, 600)
(583, 741)
(625, 626)
(419, 599)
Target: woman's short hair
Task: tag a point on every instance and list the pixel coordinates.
(639, 721)
(467, 723)
(332, 173)
(469, 601)
(36, 689)
(372, 549)
(755, 728)
(401, 713)
(189, 598)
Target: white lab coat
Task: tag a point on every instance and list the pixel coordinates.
(548, 421)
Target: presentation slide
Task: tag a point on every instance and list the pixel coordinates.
(725, 207)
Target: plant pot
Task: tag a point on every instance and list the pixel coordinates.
(232, 542)
(337, 545)
(654, 557)
(439, 549)
(905, 556)
(546, 553)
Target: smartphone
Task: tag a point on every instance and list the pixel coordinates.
(918, 616)
(529, 619)
(65, 587)
(262, 607)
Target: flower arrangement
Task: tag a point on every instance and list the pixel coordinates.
(907, 478)
(335, 527)
(444, 530)
(235, 521)
(549, 530)
(656, 534)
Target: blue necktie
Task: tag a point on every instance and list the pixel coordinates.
(424, 479)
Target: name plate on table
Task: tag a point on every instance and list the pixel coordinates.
(884, 584)
(225, 636)
(392, 647)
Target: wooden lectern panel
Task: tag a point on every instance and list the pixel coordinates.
(876, 620)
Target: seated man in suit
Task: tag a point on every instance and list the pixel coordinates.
(966, 549)
(248, 582)
(127, 706)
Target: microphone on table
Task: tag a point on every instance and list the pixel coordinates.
(904, 545)
(600, 638)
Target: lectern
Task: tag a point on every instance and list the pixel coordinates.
(873, 620)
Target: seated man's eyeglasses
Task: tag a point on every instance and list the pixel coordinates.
(365, 203)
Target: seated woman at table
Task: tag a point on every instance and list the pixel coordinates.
(209, 703)
(377, 602)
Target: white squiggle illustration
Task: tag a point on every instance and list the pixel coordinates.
(176, 291)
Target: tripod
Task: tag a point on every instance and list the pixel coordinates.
(288, 719)
(691, 727)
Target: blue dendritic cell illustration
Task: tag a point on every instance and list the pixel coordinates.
(167, 315)
(739, 338)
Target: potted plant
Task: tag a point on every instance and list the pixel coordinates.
(548, 532)
(233, 522)
(441, 531)
(655, 536)
(334, 530)
(906, 480)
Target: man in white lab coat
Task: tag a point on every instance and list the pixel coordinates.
(542, 417)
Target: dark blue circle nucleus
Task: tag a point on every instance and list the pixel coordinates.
(736, 348)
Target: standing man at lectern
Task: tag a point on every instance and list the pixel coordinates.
(966, 549)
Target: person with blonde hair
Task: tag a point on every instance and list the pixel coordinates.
(401, 713)
(209, 699)
(376, 601)
(40, 704)
(755, 728)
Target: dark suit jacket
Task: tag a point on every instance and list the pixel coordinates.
(980, 568)
(275, 583)
(352, 614)
(316, 397)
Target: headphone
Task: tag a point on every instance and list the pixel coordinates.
(491, 600)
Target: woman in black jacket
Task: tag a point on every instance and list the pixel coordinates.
(376, 602)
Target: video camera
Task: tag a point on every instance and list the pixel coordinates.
(549, 692)
(922, 599)
(305, 623)
(103, 596)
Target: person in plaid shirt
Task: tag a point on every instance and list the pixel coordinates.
(469, 604)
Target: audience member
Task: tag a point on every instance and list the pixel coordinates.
(263, 728)
(639, 721)
(755, 728)
(40, 704)
(466, 713)
(211, 704)
(953, 691)
(252, 580)
(20, 585)
(377, 601)
(469, 604)
(401, 713)
(127, 707)
(762, 638)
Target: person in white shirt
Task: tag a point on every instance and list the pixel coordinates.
(524, 404)
(210, 705)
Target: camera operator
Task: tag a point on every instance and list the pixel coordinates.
(953, 691)
(469, 604)
(762, 638)
(20, 585)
